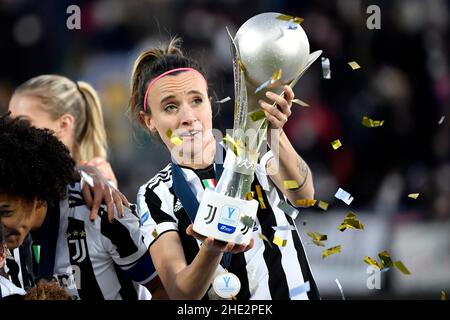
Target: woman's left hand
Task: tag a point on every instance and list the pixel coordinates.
(278, 115)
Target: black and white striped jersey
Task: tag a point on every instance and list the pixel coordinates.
(95, 260)
(267, 271)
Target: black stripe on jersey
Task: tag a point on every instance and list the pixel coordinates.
(278, 285)
(118, 234)
(79, 256)
(313, 293)
(161, 176)
(237, 261)
(154, 205)
(76, 202)
(127, 290)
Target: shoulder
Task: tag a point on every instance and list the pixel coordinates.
(162, 179)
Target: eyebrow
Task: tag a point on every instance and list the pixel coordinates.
(172, 96)
(4, 206)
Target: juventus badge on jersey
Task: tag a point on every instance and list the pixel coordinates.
(226, 285)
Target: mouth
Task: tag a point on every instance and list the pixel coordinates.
(190, 134)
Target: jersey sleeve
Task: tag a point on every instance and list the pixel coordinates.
(124, 241)
(155, 209)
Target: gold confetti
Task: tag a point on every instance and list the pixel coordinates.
(176, 140)
(229, 140)
(317, 238)
(290, 184)
(276, 75)
(260, 196)
(351, 221)
(169, 133)
(264, 238)
(233, 298)
(413, 195)
(336, 144)
(257, 115)
(385, 258)
(155, 233)
(372, 262)
(249, 195)
(401, 267)
(323, 205)
(354, 65)
(300, 102)
(369, 123)
(330, 251)
(305, 203)
(285, 17)
(279, 242)
(443, 295)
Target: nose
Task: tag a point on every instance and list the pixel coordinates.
(188, 116)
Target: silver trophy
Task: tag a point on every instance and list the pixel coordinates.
(269, 50)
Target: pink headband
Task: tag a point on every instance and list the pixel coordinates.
(163, 75)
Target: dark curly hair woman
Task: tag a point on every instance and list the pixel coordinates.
(40, 192)
(32, 177)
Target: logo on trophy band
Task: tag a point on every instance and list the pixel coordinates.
(228, 220)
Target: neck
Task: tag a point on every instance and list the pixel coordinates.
(201, 160)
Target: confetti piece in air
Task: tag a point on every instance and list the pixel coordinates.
(87, 178)
(336, 144)
(401, 267)
(260, 196)
(275, 77)
(351, 222)
(257, 115)
(284, 228)
(323, 205)
(233, 298)
(443, 295)
(369, 123)
(290, 184)
(317, 238)
(305, 203)
(155, 233)
(441, 120)
(303, 288)
(340, 288)
(249, 195)
(169, 133)
(288, 209)
(224, 100)
(413, 195)
(264, 238)
(176, 140)
(300, 102)
(372, 262)
(279, 241)
(229, 141)
(385, 258)
(354, 65)
(330, 251)
(343, 195)
(326, 72)
(247, 221)
(285, 17)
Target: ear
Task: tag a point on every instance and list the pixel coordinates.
(66, 125)
(148, 120)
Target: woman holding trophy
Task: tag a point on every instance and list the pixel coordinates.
(170, 99)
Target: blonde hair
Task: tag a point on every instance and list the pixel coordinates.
(149, 65)
(60, 95)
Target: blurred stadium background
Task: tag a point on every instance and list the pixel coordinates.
(404, 80)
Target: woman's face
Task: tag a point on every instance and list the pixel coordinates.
(181, 104)
(19, 217)
(29, 108)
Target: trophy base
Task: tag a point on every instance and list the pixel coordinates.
(225, 218)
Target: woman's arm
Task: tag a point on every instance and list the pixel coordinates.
(183, 281)
(286, 164)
